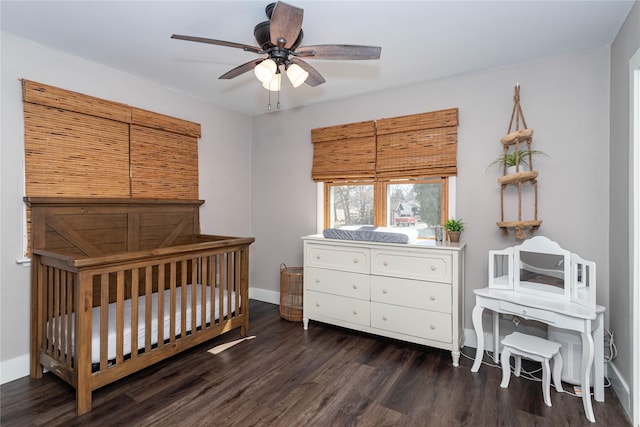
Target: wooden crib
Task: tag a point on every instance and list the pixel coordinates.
(120, 284)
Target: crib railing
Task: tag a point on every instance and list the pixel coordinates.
(203, 290)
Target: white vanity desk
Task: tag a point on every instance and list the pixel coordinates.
(561, 314)
(538, 280)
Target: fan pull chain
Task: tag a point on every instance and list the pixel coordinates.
(278, 100)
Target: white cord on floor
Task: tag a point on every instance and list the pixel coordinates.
(528, 375)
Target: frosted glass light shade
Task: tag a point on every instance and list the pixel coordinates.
(296, 74)
(275, 84)
(265, 70)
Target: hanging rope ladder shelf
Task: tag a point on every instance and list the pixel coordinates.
(512, 144)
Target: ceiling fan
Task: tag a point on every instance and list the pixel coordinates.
(280, 38)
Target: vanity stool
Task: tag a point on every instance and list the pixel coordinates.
(533, 348)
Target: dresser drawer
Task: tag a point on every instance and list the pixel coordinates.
(411, 293)
(528, 312)
(318, 305)
(411, 321)
(338, 258)
(354, 285)
(420, 265)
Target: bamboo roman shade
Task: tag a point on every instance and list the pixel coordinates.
(419, 145)
(81, 146)
(413, 146)
(344, 152)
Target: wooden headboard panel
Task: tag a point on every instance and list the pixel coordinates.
(84, 227)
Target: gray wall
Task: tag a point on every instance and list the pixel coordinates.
(224, 169)
(624, 47)
(565, 100)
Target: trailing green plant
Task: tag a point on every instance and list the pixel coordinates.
(453, 224)
(510, 159)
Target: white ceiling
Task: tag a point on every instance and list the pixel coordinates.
(421, 40)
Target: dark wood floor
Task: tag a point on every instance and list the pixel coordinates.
(286, 376)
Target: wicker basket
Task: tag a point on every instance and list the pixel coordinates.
(291, 293)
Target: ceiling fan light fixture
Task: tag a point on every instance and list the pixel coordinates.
(266, 70)
(275, 84)
(296, 74)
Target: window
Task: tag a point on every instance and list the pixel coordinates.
(397, 172)
(418, 203)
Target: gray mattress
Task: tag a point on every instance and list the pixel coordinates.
(368, 233)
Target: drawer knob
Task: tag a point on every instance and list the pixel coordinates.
(317, 256)
(355, 312)
(384, 291)
(433, 327)
(433, 268)
(524, 311)
(355, 286)
(355, 260)
(385, 263)
(432, 297)
(384, 318)
(317, 304)
(317, 280)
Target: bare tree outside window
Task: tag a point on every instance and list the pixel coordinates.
(352, 205)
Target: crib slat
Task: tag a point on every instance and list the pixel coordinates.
(206, 284)
(161, 289)
(222, 279)
(104, 320)
(194, 294)
(134, 312)
(72, 287)
(229, 282)
(183, 298)
(55, 338)
(62, 316)
(49, 297)
(148, 276)
(236, 285)
(120, 316)
(172, 303)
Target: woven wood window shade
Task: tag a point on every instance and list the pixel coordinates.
(74, 155)
(164, 165)
(344, 152)
(75, 145)
(164, 156)
(418, 145)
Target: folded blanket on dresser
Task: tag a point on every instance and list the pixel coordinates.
(369, 233)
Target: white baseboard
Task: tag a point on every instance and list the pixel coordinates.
(13, 369)
(620, 387)
(264, 295)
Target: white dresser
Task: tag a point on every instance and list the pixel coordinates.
(411, 292)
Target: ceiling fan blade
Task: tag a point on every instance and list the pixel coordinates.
(339, 51)
(217, 42)
(286, 23)
(314, 78)
(241, 69)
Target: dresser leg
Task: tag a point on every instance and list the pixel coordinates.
(305, 323)
(455, 355)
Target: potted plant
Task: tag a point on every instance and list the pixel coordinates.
(510, 160)
(454, 228)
